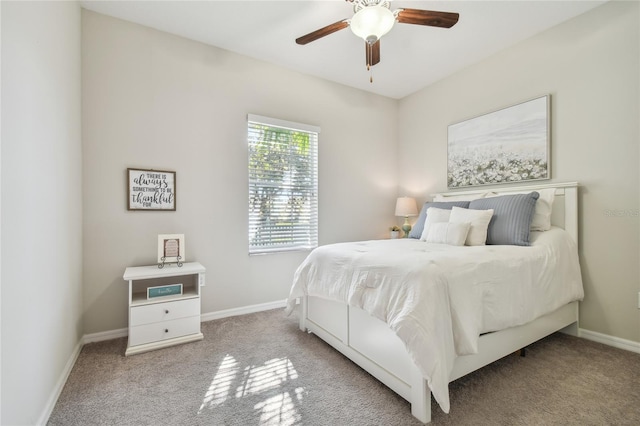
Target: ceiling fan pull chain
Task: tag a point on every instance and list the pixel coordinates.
(369, 60)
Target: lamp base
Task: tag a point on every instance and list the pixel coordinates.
(406, 227)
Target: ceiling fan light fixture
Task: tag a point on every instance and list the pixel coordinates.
(372, 22)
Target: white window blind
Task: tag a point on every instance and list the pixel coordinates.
(283, 185)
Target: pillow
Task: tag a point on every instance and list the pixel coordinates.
(418, 227)
(434, 216)
(470, 197)
(479, 220)
(453, 234)
(541, 220)
(511, 219)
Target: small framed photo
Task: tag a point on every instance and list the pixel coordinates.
(171, 248)
(151, 190)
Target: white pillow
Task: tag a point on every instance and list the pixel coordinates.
(454, 234)
(434, 215)
(542, 213)
(541, 220)
(439, 198)
(479, 220)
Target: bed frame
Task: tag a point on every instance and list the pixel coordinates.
(372, 345)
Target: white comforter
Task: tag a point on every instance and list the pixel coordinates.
(437, 298)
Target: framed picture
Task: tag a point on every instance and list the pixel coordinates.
(171, 248)
(508, 145)
(164, 291)
(151, 190)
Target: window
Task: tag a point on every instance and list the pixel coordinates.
(283, 185)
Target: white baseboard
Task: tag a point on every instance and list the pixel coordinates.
(104, 335)
(243, 310)
(616, 342)
(606, 339)
(57, 390)
(123, 332)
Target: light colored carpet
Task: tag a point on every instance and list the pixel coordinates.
(260, 369)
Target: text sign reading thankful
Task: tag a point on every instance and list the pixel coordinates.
(151, 190)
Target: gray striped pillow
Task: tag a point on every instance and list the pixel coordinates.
(512, 215)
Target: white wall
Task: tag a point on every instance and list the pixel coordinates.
(0, 215)
(590, 66)
(154, 100)
(41, 203)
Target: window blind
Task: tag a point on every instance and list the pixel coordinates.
(283, 185)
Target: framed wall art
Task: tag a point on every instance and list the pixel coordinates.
(151, 190)
(171, 249)
(508, 145)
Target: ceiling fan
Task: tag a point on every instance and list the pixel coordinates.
(373, 18)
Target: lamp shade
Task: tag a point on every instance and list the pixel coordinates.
(406, 206)
(372, 22)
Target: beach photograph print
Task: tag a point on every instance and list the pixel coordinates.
(509, 145)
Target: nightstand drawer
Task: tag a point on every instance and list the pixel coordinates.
(163, 330)
(156, 312)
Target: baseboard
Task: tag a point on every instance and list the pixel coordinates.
(616, 342)
(123, 332)
(57, 390)
(243, 310)
(105, 335)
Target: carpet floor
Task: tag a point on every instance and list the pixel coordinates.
(260, 369)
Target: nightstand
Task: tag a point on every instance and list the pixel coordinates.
(156, 320)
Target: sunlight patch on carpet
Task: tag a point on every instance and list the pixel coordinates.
(256, 380)
(219, 389)
(280, 410)
(272, 374)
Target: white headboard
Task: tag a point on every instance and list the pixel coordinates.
(565, 205)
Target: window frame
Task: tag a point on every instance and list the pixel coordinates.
(267, 245)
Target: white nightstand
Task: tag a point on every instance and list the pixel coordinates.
(163, 321)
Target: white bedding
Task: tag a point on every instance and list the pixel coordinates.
(437, 298)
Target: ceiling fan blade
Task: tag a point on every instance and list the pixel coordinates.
(372, 52)
(324, 31)
(428, 17)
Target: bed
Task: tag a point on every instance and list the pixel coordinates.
(417, 315)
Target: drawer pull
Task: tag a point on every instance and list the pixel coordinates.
(166, 330)
(166, 311)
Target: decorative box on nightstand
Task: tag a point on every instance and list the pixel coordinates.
(156, 320)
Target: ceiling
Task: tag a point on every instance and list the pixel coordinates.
(412, 56)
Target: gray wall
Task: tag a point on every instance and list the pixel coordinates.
(154, 100)
(41, 204)
(590, 66)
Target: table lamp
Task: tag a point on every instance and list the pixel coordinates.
(406, 206)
